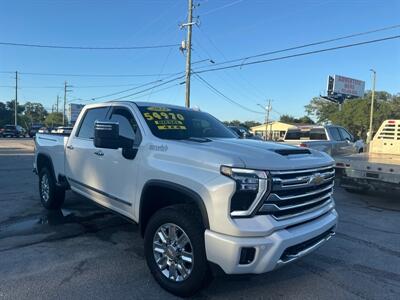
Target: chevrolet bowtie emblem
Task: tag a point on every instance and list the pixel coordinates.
(316, 179)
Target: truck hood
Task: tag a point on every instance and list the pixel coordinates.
(269, 155)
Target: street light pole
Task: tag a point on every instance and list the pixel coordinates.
(16, 100)
(267, 110)
(371, 117)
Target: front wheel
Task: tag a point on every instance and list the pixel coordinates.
(51, 196)
(175, 251)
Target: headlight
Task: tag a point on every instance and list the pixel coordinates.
(251, 186)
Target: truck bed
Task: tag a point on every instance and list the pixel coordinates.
(388, 160)
(53, 146)
(371, 167)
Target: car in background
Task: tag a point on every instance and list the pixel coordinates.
(34, 129)
(62, 130)
(13, 131)
(332, 139)
(244, 133)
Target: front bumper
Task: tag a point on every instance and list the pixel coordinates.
(279, 248)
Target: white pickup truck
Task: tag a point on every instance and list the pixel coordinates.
(201, 196)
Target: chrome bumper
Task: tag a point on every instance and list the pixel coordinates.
(273, 251)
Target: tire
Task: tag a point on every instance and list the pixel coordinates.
(187, 221)
(51, 196)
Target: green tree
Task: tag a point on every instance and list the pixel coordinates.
(54, 119)
(355, 113)
(5, 115)
(35, 112)
(292, 120)
(249, 124)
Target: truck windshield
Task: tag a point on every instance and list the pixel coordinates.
(179, 124)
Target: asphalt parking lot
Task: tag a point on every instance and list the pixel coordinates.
(85, 252)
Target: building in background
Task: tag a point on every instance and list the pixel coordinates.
(274, 130)
(73, 112)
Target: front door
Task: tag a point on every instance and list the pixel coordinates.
(116, 171)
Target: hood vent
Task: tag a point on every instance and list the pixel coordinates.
(287, 152)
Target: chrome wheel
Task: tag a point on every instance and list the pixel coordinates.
(173, 252)
(45, 187)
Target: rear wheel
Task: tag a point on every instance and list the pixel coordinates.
(175, 252)
(51, 196)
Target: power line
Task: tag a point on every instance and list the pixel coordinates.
(88, 47)
(299, 54)
(91, 75)
(221, 7)
(127, 90)
(309, 44)
(230, 100)
(154, 92)
(150, 88)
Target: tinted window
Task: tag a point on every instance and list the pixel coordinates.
(345, 134)
(9, 127)
(297, 135)
(86, 129)
(127, 124)
(177, 124)
(334, 132)
(317, 134)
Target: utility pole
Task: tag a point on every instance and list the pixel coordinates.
(16, 99)
(66, 86)
(371, 116)
(267, 110)
(58, 97)
(189, 51)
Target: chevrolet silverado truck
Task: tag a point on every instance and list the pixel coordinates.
(203, 198)
(332, 139)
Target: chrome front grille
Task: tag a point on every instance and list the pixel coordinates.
(298, 192)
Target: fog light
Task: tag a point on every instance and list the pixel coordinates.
(247, 255)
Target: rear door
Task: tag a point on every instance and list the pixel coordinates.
(80, 161)
(339, 146)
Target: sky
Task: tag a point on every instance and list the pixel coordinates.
(226, 30)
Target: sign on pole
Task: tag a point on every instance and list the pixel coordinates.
(348, 87)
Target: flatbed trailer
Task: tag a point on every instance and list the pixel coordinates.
(377, 169)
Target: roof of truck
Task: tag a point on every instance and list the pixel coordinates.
(159, 104)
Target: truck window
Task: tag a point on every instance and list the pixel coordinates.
(127, 123)
(297, 135)
(345, 135)
(318, 134)
(334, 132)
(86, 129)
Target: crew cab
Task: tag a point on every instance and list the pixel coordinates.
(332, 139)
(203, 198)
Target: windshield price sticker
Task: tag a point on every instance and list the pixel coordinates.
(164, 119)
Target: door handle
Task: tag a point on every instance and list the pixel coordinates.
(70, 147)
(99, 153)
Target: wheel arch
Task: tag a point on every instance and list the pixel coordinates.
(149, 203)
(44, 160)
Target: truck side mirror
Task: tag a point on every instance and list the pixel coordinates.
(106, 135)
